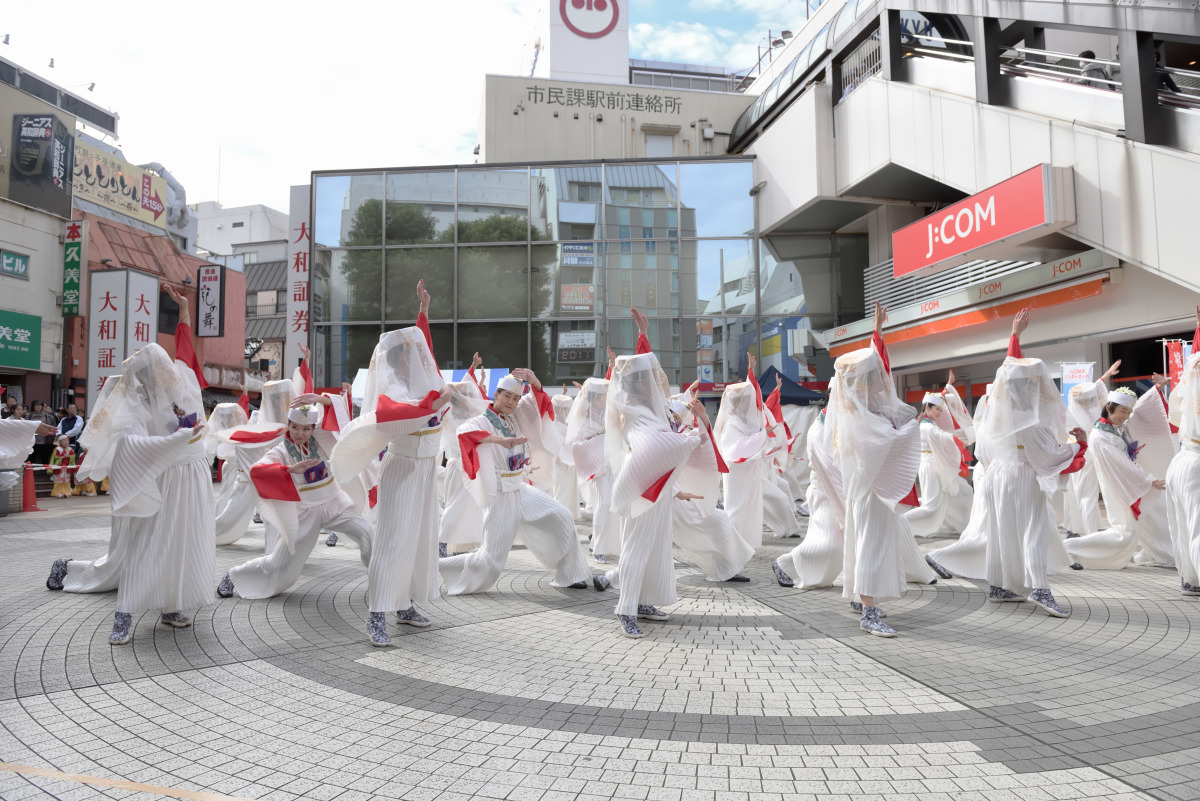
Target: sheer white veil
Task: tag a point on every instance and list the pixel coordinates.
(586, 418)
(637, 397)
(738, 417)
(863, 414)
(223, 417)
(1023, 396)
(143, 401)
(1084, 405)
(276, 401)
(401, 368)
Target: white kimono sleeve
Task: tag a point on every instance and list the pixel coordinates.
(1047, 456)
(947, 457)
(1121, 478)
(16, 443)
(654, 455)
(486, 484)
(958, 415)
(699, 475)
(137, 464)
(901, 459)
(1149, 426)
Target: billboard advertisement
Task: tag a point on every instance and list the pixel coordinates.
(37, 150)
(114, 183)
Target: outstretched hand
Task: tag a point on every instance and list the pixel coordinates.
(697, 408)
(423, 297)
(687, 496)
(300, 467)
(528, 376)
(1111, 371)
(308, 399)
(1020, 322)
(44, 430)
(476, 360)
(639, 319)
(1159, 379)
(1079, 434)
(880, 317)
(950, 380)
(778, 381)
(304, 349)
(752, 360)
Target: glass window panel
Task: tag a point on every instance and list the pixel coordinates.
(492, 282)
(820, 43)
(564, 202)
(566, 351)
(420, 207)
(716, 199)
(714, 348)
(347, 285)
(564, 279)
(349, 210)
(783, 282)
(641, 196)
(493, 206)
(782, 347)
(406, 267)
(340, 351)
(843, 22)
(621, 336)
(717, 277)
(503, 346)
(643, 278)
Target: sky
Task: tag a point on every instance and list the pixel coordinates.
(241, 100)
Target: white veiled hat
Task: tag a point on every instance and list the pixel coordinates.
(306, 415)
(223, 417)
(275, 402)
(1023, 396)
(1122, 396)
(678, 408)
(511, 384)
(936, 400)
(401, 368)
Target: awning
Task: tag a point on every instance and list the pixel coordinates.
(1050, 296)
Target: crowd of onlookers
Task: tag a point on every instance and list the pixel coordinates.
(57, 449)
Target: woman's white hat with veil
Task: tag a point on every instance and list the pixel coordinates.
(1023, 396)
(740, 430)
(148, 399)
(223, 417)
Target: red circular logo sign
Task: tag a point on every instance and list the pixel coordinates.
(591, 19)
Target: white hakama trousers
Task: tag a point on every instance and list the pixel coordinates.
(1082, 501)
(817, 561)
(544, 526)
(462, 519)
(968, 555)
(403, 568)
(709, 541)
(566, 487)
(1183, 490)
(1019, 528)
(235, 508)
(276, 572)
(873, 561)
(916, 569)
(779, 510)
(1115, 547)
(606, 526)
(103, 574)
(647, 572)
(940, 511)
(171, 558)
(742, 489)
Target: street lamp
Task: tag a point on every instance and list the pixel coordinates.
(773, 42)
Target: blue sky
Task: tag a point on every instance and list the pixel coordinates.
(719, 32)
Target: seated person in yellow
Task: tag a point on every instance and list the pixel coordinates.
(61, 458)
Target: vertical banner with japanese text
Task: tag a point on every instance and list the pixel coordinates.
(122, 317)
(1175, 360)
(210, 291)
(299, 247)
(74, 258)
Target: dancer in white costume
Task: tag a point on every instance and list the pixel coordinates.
(648, 461)
(945, 495)
(779, 507)
(1183, 476)
(496, 463)
(819, 560)
(751, 495)
(875, 441)
(147, 437)
(403, 406)
(584, 444)
(103, 574)
(242, 447)
(1024, 440)
(462, 519)
(16, 443)
(1081, 513)
(554, 433)
(226, 416)
(299, 497)
(1133, 492)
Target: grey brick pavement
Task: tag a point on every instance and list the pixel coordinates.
(751, 691)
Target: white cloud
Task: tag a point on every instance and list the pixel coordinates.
(690, 42)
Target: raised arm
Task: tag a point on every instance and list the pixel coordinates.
(423, 315)
(877, 336)
(1020, 323)
(643, 326)
(185, 349)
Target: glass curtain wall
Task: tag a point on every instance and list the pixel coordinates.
(538, 266)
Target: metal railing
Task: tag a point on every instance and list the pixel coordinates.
(862, 62)
(266, 309)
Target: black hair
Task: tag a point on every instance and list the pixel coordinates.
(1109, 408)
(1087, 54)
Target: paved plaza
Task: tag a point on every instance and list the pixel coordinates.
(751, 691)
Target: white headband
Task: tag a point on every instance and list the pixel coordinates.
(305, 415)
(511, 384)
(678, 408)
(936, 400)
(1126, 399)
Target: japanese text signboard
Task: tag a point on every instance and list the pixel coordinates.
(210, 311)
(20, 340)
(116, 184)
(74, 257)
(299, 246)
(37, 148)
(122, 317)
(1027, 206)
